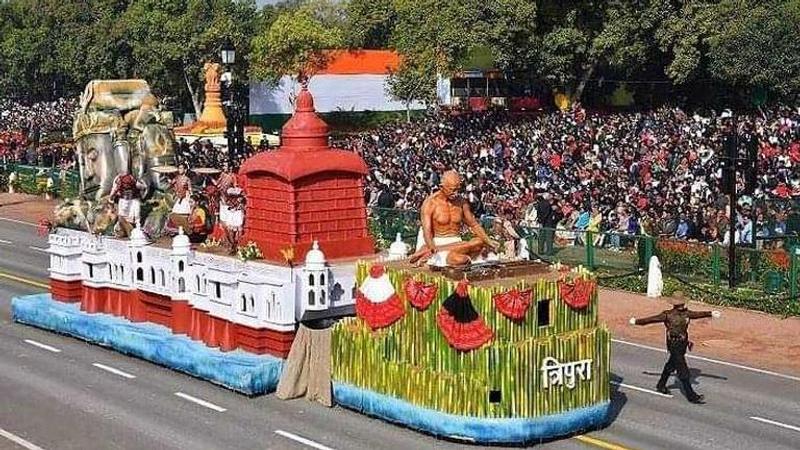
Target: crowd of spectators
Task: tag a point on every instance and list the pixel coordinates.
(28, 133)
(203, 153)
(656, 172)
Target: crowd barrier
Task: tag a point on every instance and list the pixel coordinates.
(768, 272)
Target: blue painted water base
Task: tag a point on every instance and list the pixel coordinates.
(237, 370)
(474, 429)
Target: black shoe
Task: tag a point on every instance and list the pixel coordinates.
(662, 389)
(697, 399)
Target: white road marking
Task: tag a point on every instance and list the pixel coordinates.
(43, 346)
(637, 388)
(3, 241)
(31, 224)
(18, 440)
(777, 424)
(114, 371)
(200, 402)
(302, 440)
(715, 361)
(38, 249)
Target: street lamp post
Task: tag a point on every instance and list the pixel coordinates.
(230, 100)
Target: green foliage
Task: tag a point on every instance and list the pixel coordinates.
(53, 47)
(293, 44)
(759, 46)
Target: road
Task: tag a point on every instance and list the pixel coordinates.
(61, 393)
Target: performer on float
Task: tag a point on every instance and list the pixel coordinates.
(226, 180)
(127, 192)
(442, 216)
(181, 186)
(233, 222)
(200, 222)
(676, 320)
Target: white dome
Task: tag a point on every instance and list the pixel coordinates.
(180, 243)
(315, 257)
(138, 238)
(398, 249)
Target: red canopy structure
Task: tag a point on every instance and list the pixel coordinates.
(306, 191)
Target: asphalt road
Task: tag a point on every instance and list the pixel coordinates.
(72, 395)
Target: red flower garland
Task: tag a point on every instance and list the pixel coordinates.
(513, 304)
(420, 294)
(578, 293)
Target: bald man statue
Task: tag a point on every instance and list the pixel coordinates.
(443, 213)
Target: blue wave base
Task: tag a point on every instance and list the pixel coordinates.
(237, 370)
(473, 429)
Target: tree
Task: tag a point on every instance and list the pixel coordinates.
(759, 47)
(294, 44)
(439, 37)
(410, 83)
(171, 40)
(580, 38)
(370, 23)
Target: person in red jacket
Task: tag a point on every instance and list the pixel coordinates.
(676, 321)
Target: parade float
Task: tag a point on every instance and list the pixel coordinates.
(511, 356)
(496, 352)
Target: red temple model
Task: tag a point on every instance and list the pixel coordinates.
(306, 191)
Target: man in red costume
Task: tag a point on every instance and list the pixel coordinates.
(126, 192)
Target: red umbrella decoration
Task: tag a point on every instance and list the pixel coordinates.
(420, 294)
(460, 323)
(513, 304)
(578, 293)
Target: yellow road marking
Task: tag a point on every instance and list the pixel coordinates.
(599, 443)
(22, 280)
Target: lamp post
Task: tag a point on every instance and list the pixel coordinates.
(230, 101)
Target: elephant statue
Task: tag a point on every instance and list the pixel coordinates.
(120, 127)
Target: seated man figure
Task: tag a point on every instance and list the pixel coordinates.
(442, 216)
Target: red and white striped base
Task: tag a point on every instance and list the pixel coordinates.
(178, 315)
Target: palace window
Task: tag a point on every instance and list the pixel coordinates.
(311, 300)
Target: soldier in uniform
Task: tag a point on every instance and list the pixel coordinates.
(676, 321)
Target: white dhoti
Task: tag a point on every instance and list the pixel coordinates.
(224, 211)
(234, 218)
(182, 206)
(440, 258)
(129, 209)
